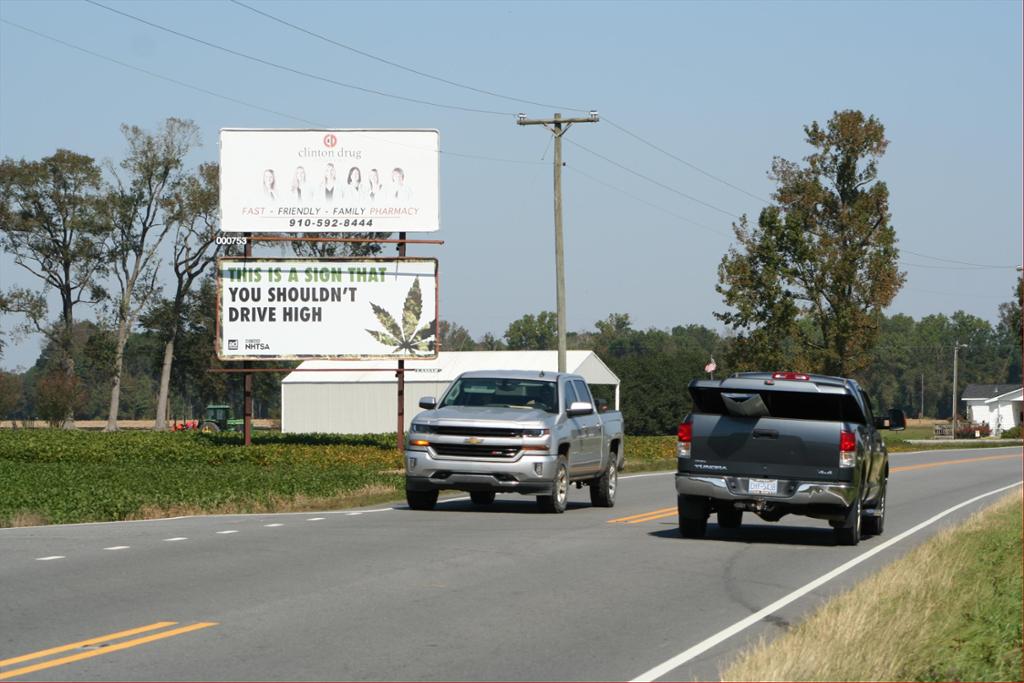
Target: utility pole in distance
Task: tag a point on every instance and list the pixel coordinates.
(956, 352)
(558, 127)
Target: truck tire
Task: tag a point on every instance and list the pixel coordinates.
(556, 502)
(209, 427)
(481, 497)
(693, 516)
(874, 524)
(602, 489)
(730, 519)
(421, 500)
(848, 532)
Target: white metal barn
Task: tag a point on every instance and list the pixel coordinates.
(362, 400)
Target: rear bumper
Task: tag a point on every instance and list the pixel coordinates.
(797, 493)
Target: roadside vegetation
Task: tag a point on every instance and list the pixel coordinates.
(950, 610)
(57, 476)
(53, 476)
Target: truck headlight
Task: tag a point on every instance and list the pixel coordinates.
(420, 428)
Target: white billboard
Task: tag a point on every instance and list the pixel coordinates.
(271, 308)
(291, 180)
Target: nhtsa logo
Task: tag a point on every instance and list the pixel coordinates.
(232, 344)
(256, 345)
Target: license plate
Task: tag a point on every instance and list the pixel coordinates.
(766, 486)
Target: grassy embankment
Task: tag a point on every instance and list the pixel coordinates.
(950, 610)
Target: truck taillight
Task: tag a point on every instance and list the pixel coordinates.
(790, 375)
(685, 438)
(847, 449)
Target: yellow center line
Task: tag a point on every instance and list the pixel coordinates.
(83, 643)
(642, 515)
(661, 515)
(926, 465)
(106, 650)
(668, 512)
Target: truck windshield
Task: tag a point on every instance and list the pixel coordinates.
(510, 393)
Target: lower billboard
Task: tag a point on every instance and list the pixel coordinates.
(291, 309)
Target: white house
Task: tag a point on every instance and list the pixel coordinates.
(999, 405)
(361, 397)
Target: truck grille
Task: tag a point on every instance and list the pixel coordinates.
(475, 451)
(479, 431)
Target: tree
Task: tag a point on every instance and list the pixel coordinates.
(533, 332)
(57, 396)
(807, 285)
(49, 222)
(1011, 331)
(193, 212)
(138, 204)
(454, 337)
(10, 394)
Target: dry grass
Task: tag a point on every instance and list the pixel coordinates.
(366, 495)
(23, 519)
(949, 610)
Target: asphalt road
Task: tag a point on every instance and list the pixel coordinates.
(459, 593)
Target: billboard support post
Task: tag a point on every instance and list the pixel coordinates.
(400, 437)
(247, 382)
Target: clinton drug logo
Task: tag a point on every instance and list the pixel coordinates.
(330, 140)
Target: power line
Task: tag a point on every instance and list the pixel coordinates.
(644, 201)
(197, 88)
(652, 180)
(921, 265)
(684, 161)
(484, 91)
(946, 260)
(963, 294)
(292, 70)
(403, 67)
(155, 74)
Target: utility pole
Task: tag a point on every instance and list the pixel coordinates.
(956, 350)
(558, 127)
(921, 414)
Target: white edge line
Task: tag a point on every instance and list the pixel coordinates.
(708, 643)
(50, 557)
(397, 507)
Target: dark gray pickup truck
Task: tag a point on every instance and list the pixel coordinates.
(783, 443)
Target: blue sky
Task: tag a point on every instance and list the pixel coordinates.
(725, 86)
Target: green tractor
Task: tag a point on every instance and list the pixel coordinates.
(220, 418)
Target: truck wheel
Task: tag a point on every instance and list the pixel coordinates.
(693, 516)
(556, 502)
(874, 524)
(209, 427)
(602, 489)
(481, 497)
(730, 519)
(421, 500)
(849, 531)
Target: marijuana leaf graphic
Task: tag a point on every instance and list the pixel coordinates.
(408, 336)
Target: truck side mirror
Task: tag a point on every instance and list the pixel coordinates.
(897, 420)
(580, 408)
(428, 403)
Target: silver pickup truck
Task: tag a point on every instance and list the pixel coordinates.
(533, 433)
